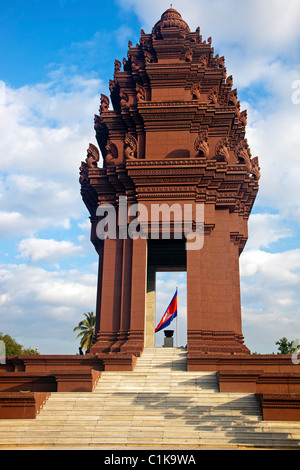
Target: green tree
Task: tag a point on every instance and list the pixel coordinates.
(285, 346)
(12, 348)
(87, 330)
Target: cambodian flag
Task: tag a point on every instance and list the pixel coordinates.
(169, 314)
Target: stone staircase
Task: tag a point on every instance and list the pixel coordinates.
(158, 405)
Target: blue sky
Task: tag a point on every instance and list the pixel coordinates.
(57, 57)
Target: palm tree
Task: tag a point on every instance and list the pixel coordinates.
(87, 333)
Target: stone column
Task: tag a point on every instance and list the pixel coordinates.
(135, 341)
(125, 295)
(150, 308)
(110, 295)
(214, 315)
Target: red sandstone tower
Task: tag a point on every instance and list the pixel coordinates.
(172, 132)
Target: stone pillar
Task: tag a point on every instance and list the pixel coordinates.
(125, 295)
(135, 341)
(150, 308)
(214, 314)
(109, 321)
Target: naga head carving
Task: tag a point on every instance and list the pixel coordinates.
(130, 147)
(223, 150)
(111, 153)
(124, 98)
(92, 156)
(203, 60)
(83, 172)
(242, 153)
(255, 168)
(195, 91)
(213, 96)
(104, 103)
(118, 65)
(202, 145)
(140, 93)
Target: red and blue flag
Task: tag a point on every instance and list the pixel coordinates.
(169, 314)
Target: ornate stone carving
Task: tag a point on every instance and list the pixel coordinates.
(213, 96)
(83, 171)
(92, 156)
(201, 144)
(170, 19)
(232, 98)
(229, 81)
(219, 62)
(118, 66)
(97, 122)
(222, 150)
(130, 147)
(189, 55)
(243, 154)
(104, 103)
(112, 85)
(126, 66)
(111, 153)
(134, 66)
(124, 98)
(243, 117)
(203, 60)
(195, 91)
(148, 57)
(140, 93)
(255, 168)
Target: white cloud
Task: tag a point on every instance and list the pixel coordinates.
(123, 34)
(4, 298)
(44, 126)
(266, 229)
(281, 267)
(9, 222)
(45, 306)
(270, 297)
(258, 23)
(45, 131)
(274, 137)
(36, 203)
(37, 249)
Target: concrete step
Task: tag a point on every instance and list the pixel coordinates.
(158, 405)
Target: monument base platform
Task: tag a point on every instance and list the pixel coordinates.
(21, 405)
(24, 380)
(240, 362)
